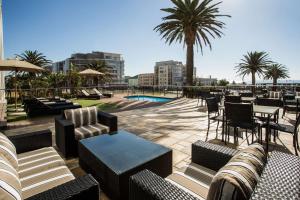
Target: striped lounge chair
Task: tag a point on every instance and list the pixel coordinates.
(38, 174)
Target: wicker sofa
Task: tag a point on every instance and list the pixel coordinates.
(280, 177)
(39, 174)
(76, 124)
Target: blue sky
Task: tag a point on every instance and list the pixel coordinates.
(59, 28)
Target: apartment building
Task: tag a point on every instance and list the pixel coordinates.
(146, 79)
(170, 73)
(79, 61)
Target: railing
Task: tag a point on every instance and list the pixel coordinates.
(172, 91)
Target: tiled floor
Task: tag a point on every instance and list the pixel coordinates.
(177, 125)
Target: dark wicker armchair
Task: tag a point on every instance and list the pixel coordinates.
(65, 132)
(279, 180)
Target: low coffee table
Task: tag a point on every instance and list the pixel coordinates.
(113, 158)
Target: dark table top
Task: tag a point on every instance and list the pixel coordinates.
(123, 151)
(269, 110)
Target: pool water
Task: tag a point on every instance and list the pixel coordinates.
(150, 98)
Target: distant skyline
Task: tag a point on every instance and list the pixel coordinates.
(59, 28)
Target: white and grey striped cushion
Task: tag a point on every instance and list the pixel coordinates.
(10, 186)
(193, 179)
(275, 95)
(82, 116)
(90, 131)
(8, 150)
(44, 180)
(238, 178)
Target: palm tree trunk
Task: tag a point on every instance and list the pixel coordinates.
(253, 82)
(274, 84)
(189, 64)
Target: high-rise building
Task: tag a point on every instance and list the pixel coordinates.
(170, 73)
(114, 62)
(146, 79)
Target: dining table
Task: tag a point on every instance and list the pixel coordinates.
(264, 110)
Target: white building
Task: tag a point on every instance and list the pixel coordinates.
(146, 79)
(133, 82)
(207, 81)
(81, 60)
(170, 73)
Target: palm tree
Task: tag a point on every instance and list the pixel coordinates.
(253, 63)
(191, 22)
(34, 57)
(276, 71)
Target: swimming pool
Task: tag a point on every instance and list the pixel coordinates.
(150, 98)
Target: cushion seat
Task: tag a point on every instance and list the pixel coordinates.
(194, 179)
(38, 161)
(44, 180)
(90, 131)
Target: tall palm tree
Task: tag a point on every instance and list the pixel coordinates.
(253, 63)
(193, 23)
(102, 67)
(276, 71)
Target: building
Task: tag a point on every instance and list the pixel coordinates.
(133, 82)
(170, 73)
(206, 81)
(81, 60)
(146, 79)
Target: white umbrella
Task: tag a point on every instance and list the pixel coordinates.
(18, 66)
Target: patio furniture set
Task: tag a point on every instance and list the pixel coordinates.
(126, 166)
(264, 113)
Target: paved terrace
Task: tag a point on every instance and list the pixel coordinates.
(176, 124)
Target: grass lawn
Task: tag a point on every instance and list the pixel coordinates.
(107, 107)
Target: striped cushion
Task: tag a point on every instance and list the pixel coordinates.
(90, 131)
(10, 186)
(45, 180)
(297, 94)
(238, 178)
(39, 160)
(8, 150)
(82, 116)
(193, 179)
(274, 95)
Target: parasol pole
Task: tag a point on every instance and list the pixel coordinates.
(16, 71)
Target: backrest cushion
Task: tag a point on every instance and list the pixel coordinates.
(82, 116)
(238, 178)
(298, 94)
(10, 186)
(274, 95)
(8, 150)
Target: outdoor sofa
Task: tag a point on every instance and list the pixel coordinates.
(40, 173)
(211, 175)
(76, 124)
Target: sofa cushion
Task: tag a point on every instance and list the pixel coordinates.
(10, 186)
(238, 178)
(274, 95)
(82, 116)
(8, 150)
(45, 180)
(193, 179)
(90, 131)
(39, 160)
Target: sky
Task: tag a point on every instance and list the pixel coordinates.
(58, 28)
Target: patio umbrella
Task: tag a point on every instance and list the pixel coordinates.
(90, 73)
(18, 66)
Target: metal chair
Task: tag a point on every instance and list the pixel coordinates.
(213, 109)
(293, 130)
(240, 115)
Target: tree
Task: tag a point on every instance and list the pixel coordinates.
(276, 71)
(253, 63)
(223, 82)
(191, 22)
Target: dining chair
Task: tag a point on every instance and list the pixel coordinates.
(213, 114)
(291, 129)
(240, 115)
